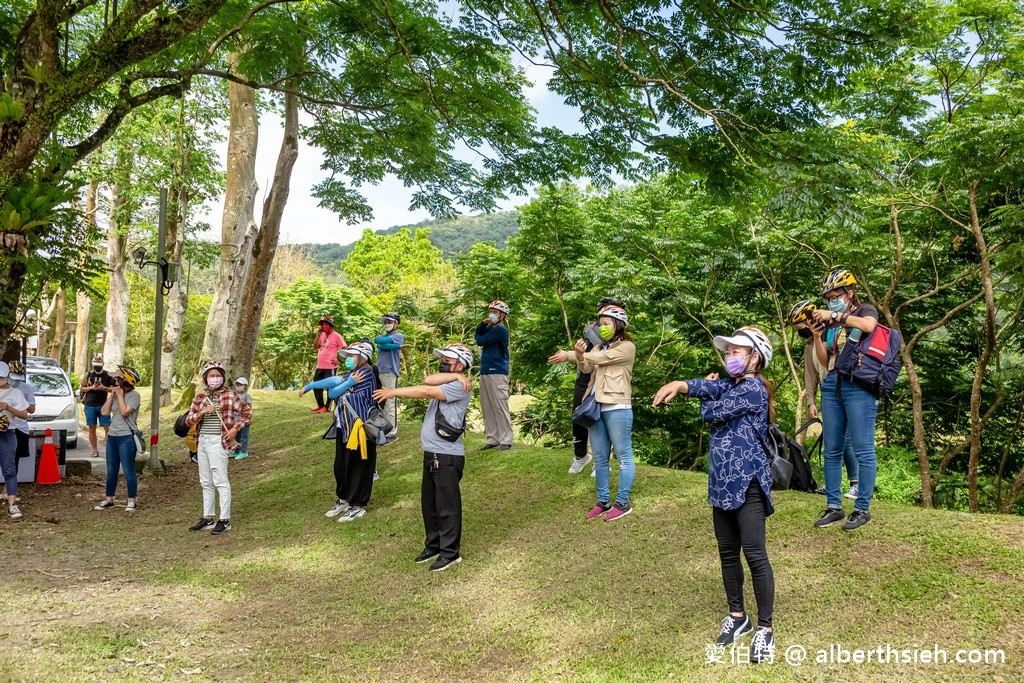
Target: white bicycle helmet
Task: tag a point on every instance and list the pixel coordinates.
(499, 305)
(750, 337)
(615, 312)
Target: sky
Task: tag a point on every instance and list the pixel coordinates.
(305, 221)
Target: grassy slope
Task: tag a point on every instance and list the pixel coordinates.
(541, 595)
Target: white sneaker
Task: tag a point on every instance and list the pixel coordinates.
(14, 512)
(130, 507)
(579, 463)
(339, 507)
(353, 513)
(376, 477)
(852, 493)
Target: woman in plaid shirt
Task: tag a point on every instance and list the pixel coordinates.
(215, 412)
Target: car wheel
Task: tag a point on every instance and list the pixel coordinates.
(73, 443)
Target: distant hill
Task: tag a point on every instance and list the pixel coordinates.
(452, 236)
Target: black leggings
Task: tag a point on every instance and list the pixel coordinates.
(745, 529)
(579, 434)
(320, 393)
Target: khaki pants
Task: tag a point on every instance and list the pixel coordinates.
(494, 406)
(389, 380)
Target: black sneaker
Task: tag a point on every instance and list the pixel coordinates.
(441, 564)
(222, 526)
(762, 648)
(857, 519)
(203, 523)
(426, 556)
(830, 517)
(733, 628)
(489, 446)
(505, 447)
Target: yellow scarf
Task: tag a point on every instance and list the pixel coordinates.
(357, 438)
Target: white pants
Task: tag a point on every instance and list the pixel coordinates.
(389, 380)
(213, 476)
(494, 406)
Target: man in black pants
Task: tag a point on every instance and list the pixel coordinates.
(581, 458)
(444, 456)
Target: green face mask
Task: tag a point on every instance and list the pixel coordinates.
(350, 363)
(606, 332)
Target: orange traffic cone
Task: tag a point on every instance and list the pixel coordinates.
(49, 472)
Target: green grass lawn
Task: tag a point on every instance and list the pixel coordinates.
(291, 595)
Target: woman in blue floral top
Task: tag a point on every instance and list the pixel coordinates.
(738, 411)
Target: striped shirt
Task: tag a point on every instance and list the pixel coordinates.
(357, 401)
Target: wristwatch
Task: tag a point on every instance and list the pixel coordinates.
(835, 316)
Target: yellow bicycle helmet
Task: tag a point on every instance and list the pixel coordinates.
(801, 312)
(131, 375)
(836, 278)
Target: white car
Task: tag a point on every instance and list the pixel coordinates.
(56, 407)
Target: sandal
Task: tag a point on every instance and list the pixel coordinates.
(95, 454)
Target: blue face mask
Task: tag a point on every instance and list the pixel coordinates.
(493, 317)
(350, 363)
(736, 365)
(837, 305)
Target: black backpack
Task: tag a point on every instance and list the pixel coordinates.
(777, 447)
(180, 428)
(800, 458)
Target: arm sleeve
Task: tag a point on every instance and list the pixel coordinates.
(387, 343)
(325, 383)
(337, 390)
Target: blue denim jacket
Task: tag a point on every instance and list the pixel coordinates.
(737, 413)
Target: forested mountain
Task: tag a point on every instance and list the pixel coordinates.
(452, 236)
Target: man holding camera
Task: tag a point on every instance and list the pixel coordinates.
(93, 392)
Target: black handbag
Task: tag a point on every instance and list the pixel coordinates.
(588, 412)
(377, 423)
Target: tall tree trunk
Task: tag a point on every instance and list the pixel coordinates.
(60, 324)
(177, 298)
(920, 442)
(237, 225)
(83, 311)
(115, 335)
(265, 247)
(987, 350)
(83, 302)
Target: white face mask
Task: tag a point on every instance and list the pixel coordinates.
(215, 382)
(389, 327)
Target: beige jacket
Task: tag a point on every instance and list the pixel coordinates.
(612, 372)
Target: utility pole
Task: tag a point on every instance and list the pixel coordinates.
(158, 336)
(165, 278)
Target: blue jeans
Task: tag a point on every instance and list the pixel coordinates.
(9, 460)
(243, 438)
(121, 455)
(850, 414)
(613, 429)
(850, 458)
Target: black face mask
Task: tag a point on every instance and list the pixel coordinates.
(445, 366)
(97, 368)
(804, 332)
